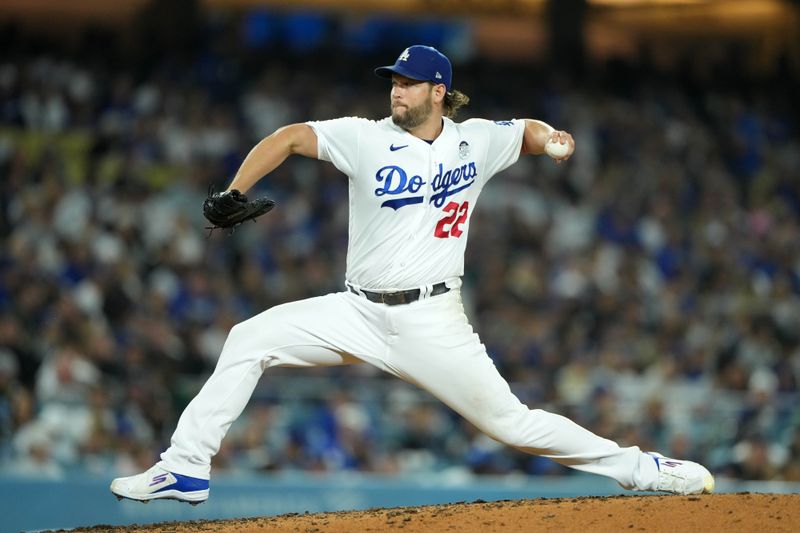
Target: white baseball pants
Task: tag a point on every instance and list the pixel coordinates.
(429, 343)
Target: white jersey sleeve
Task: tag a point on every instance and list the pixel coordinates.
(504, 142)
(338, 141)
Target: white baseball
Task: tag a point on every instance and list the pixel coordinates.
(556, 149)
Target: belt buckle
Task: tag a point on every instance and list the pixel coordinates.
(393, 298)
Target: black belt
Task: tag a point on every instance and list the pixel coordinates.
(400, 297)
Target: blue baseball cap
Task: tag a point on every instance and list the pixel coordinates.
(418, 62)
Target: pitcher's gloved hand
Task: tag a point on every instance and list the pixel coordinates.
(228, 209)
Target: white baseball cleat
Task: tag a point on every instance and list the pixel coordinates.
(682, 477)
(157, 483)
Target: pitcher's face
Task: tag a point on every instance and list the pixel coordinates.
(411, 101)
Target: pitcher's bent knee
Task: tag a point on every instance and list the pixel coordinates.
(256, 336)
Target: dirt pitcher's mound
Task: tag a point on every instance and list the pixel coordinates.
(721, 512)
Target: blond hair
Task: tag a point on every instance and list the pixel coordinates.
(453, 101)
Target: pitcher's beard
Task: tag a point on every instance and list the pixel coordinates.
(414, 116)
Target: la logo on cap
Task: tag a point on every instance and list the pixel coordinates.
(404, 56)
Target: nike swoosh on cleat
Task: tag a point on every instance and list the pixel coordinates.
(394, 148)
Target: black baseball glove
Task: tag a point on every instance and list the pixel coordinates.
(230, 208)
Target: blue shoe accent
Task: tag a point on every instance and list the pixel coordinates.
(186, 484)
(658, 464)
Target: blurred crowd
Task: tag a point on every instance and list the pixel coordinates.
(648, 289)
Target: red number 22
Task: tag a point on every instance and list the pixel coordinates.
(450, 225)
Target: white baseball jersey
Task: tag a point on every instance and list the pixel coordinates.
(410, 200)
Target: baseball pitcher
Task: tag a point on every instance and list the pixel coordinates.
(414, 180)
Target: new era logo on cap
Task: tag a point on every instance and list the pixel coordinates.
(419, 62)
